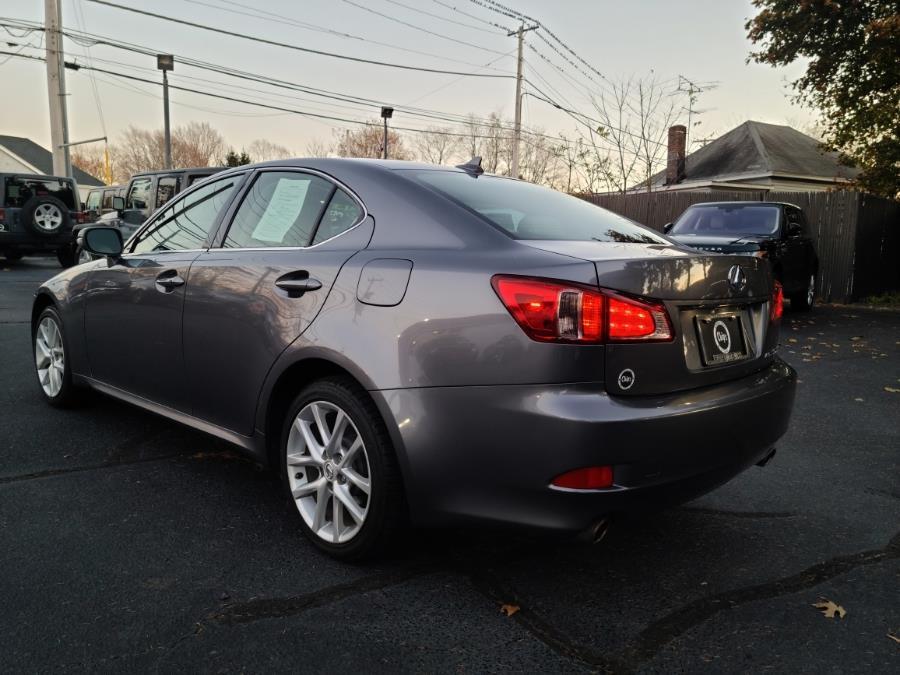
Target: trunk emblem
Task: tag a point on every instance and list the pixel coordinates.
(626, 379)
(737, 278)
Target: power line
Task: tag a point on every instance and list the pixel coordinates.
(443, 18)
(298, 48)
(281, 19)
(471, 16)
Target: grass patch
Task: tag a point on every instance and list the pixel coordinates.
(889, 299)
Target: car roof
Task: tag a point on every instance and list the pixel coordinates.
(745, 203)
(36, 176)
(199, 169)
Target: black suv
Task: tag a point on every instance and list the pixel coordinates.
(37, 214)
(772, 230)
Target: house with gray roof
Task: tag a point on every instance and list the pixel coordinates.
(22, 155)
(753, 156)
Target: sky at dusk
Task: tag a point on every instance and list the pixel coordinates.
(703, 41)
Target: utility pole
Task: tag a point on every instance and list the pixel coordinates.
(56, 89)
(165, 63)
(517, 131)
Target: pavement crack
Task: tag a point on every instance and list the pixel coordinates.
(273, 608)
(663, 631)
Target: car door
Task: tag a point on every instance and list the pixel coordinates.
(134, 305)
(137, 204)
(793, 258)
(262, 285)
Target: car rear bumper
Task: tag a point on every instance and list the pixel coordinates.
(490, 452)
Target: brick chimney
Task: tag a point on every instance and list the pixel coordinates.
(675, 161)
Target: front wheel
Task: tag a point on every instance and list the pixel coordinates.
(50, 358)
(803, 302)
(340, 471)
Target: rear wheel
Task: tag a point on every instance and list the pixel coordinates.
(50, 358)
(340, 471)
(803, 302)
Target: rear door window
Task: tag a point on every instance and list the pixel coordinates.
(342, 213)
(93, 200)
(166, 188)
(281, 209)
(20, 189)
(527, 211)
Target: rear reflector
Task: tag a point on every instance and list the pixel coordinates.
(553, 311)
(777, 302)
(588, 478)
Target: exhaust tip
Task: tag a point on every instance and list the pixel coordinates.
(595, 533)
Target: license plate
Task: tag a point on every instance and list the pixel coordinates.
(721, 339)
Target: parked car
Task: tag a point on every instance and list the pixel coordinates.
(37, 214)
(403, 340)
(774, 231)
(144, 193)
(100, 201)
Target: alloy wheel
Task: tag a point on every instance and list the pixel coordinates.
(328, 472)
(48, 217)
(49, 356)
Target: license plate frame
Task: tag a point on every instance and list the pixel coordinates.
(721, 338)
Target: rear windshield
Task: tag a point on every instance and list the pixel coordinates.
(527, 211)
(19, 189)
(728, 219)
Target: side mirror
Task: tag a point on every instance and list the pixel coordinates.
(667, 227)
(794, 230)
(118, 203)
(102, 241)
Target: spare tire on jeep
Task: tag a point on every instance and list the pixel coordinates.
(46, 215)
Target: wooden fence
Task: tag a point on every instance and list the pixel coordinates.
(857, 236)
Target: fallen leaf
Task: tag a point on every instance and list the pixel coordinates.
(855, 338)
(792, 339)
(857, 399)
(894, 638)
(509, 610)
(830, 609)
(892, 390)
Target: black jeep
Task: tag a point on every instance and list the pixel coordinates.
(772, 230)
(37, 214)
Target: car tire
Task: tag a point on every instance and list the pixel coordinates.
(327, 482)
(51, 354)
(46, 216)
(66, 256)
(82, 256)
(803, 302)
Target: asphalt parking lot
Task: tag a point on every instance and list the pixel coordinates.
(128, 542)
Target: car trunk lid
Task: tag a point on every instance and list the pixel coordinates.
(718, 306)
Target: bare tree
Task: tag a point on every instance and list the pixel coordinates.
(437, 145)
(318, 148)
(262, 150)
(89, 158)
(196, 144)
(367, 141)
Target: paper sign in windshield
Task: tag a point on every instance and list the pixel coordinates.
(282, 211)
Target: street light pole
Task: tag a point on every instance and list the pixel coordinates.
(386, 114)
(165, 63)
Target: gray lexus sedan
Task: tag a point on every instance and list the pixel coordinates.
(414, 343)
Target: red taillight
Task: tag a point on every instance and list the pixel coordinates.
(588, 478)
(81, 217)
(777, 302)
(2, 215)
(549, 311)
(552, 311)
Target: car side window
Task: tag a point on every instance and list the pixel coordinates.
(281, 208)
(342, 214)
(166, 189)
(93, 200)
(139, 193)
(186, 223)
(794, 217)
(108, 197)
